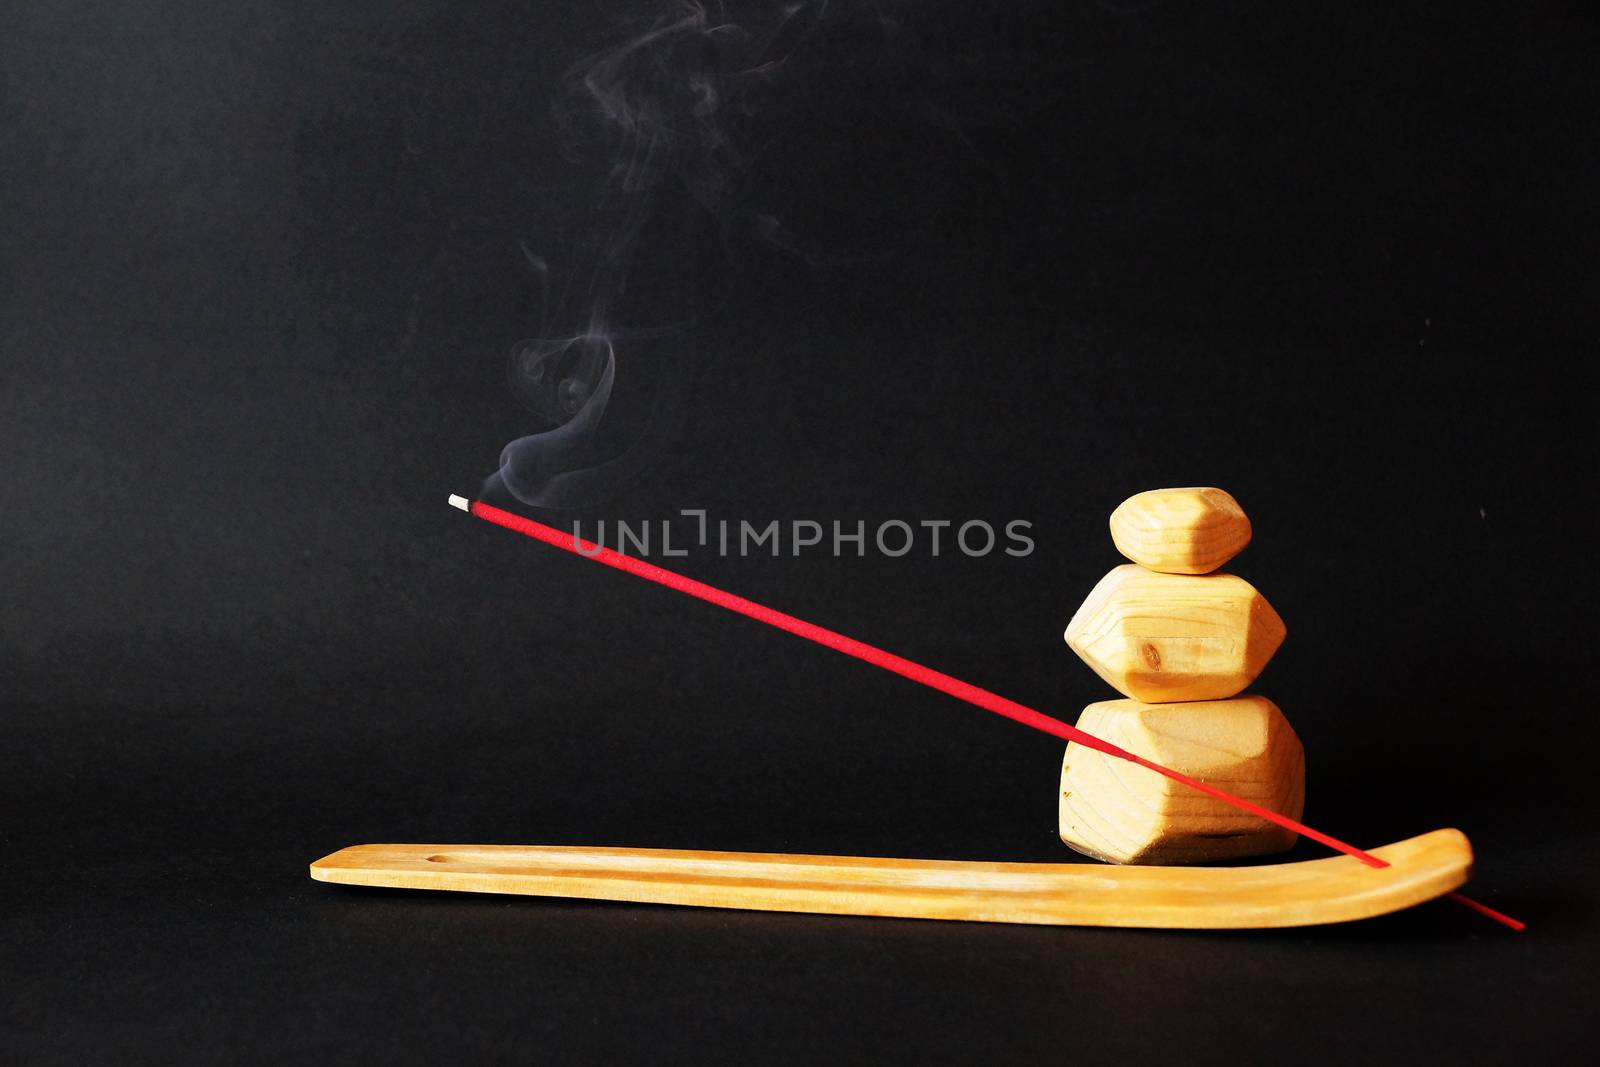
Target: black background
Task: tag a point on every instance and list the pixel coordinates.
(261, 270)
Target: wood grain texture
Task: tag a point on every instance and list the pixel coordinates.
(1330, 890)
(1116, 811)
(1180, 531)
(1166, 637)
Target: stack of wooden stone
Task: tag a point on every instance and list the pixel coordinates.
(1181, 640)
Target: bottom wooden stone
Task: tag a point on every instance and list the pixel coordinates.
(1117, 811)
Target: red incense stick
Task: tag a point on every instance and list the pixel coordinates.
(906, 668)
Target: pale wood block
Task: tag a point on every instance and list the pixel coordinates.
(1180, 531)
(1163, 637)
(1123, 813)
(1336, 889)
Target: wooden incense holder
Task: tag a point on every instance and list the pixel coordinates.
(1331, 890)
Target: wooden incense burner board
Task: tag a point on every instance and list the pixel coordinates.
(1331, 890)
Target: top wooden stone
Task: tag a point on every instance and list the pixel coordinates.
(1180, 531)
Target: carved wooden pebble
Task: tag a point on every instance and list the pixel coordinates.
(1180, 531)
(1164, 637)
(1119, 812)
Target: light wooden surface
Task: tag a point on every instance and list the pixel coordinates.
(1116, 811)
(1164, 637)
(1180, 531)
(1335, 889)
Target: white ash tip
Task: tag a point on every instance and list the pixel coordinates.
(460, 502)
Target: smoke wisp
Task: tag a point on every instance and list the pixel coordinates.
(656, 121)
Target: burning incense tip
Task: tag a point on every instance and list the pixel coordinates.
(460, 502)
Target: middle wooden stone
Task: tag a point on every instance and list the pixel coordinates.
(1163, 637)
